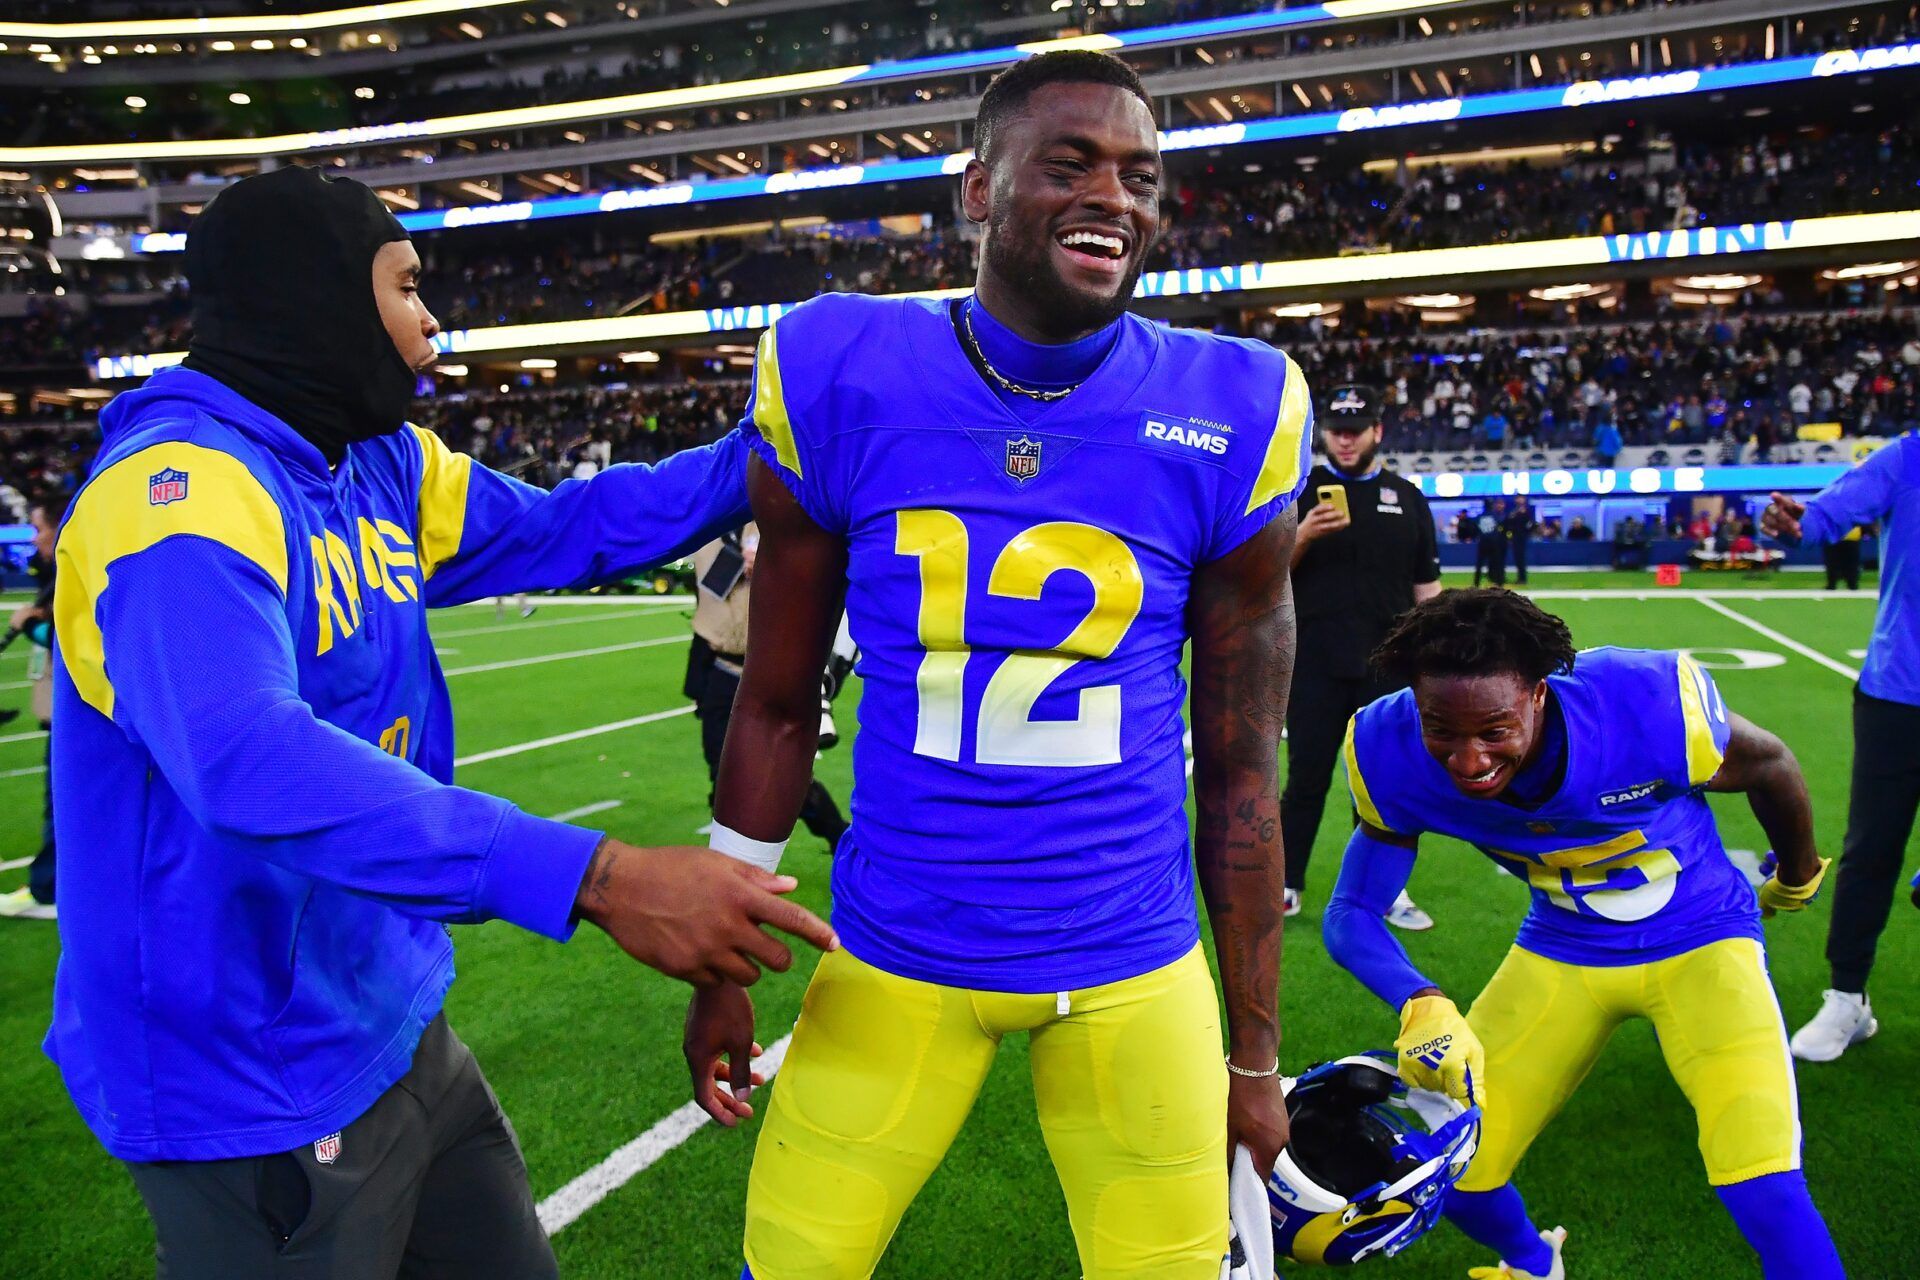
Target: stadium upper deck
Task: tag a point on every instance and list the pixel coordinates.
(679, 123)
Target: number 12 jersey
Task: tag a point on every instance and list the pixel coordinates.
(1018, 588)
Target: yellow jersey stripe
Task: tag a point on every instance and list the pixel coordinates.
(443, 500)
(770, 405)
(1357, 784)
(1280, 470)
(116, 516)
(1703, 757)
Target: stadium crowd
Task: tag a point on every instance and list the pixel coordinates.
(1745, 381)
(1734, 380)
(1212, 220)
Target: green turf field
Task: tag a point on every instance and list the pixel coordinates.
(583, 1046)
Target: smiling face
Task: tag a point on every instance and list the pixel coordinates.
(1482, 729)
(1071, 203)
(396, 290)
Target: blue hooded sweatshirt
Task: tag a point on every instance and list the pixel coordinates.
(259, 841)
(1886, 488)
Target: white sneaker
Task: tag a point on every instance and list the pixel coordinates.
(1289, 902)
(21, 905)
(1555, 1239)
(1407, 916)
(1845, 1019)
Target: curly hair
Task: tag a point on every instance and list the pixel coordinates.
(1475, 632)
(1007, 95)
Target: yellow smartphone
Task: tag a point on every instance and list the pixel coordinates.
(1335, 496)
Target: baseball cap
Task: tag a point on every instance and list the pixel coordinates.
(1352, 406)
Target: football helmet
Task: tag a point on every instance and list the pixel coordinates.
(1368, 1162)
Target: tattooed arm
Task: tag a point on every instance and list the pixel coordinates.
(1241, 618)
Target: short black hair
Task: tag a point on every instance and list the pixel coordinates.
(1011, 88)
(1475, 632)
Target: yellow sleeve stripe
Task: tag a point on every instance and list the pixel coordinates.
(443, 500)
(1357, 784)
(770, 405)
(115, 517)
(1280, 470)
(1703, 757)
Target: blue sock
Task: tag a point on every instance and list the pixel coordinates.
(1775, 1213)
(1498, 1219)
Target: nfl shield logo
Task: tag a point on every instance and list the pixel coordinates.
(1023, 458)
(166, 486)
(326, 1150)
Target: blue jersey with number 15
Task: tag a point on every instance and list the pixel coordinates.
(1018, 588)
(1624, 859)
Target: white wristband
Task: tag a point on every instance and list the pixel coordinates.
(764, 854)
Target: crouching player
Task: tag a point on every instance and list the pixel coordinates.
(1585, 775)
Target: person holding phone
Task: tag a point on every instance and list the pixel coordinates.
(1367, 552)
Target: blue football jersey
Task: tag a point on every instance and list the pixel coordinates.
(1018, 589)
(1624, 859)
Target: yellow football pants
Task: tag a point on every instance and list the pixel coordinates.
(1544, 1023)
(882, 1071)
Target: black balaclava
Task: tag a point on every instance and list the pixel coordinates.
(280, 267)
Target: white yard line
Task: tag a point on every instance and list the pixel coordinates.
(564, 1207)
(1651, 592)
(14, 864)
(502, 627)
(520, 748)
(598, 806)
(501, 753)
(1812, 654)
(23, 737)
(563, 657)
(575, 602)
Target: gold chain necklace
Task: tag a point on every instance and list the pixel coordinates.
(966, 319)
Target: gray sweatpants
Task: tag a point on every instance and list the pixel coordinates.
(429, 1183)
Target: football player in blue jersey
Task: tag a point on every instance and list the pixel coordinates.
(1031, 501)
(1586, 775)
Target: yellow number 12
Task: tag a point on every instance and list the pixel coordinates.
(1006, 733)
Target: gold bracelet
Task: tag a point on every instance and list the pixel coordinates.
(1274, 1070)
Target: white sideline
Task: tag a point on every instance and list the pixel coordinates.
(1801, 649)
(1682, 593)
(564, 1207)
(520, 748)
(563, 657)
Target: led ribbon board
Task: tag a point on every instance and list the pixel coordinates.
(1628, 481)
(1305, 273)
(1318, 124)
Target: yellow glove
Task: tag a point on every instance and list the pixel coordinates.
(1439, 1052)
(1775, 896)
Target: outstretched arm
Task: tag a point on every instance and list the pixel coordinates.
(1761, 765)
(1373, 873)
(1242, 622)
(799, 581)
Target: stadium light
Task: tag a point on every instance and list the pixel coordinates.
(187, 28)
(696, 95)
(1574, 253)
